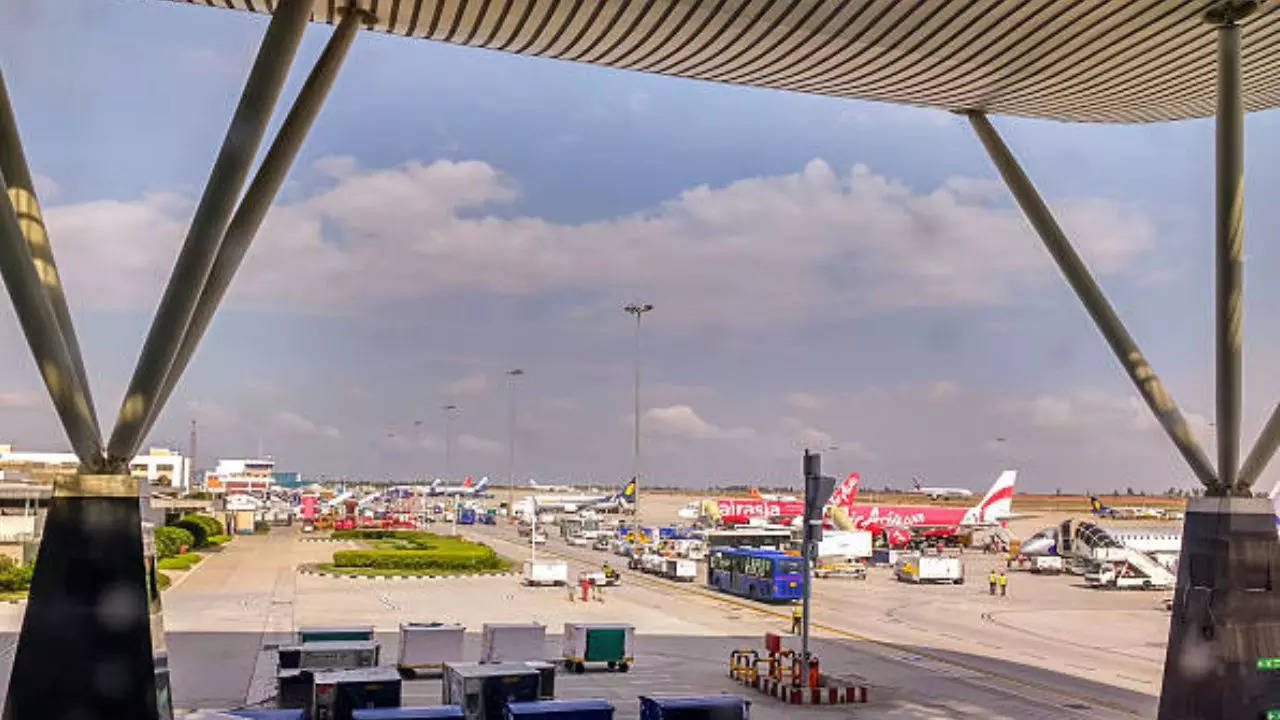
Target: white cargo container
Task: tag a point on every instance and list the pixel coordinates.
(513, 642)
(609, 643)
(680, 569)
(922, 568)
(844, 545)
(546, 572)
(428, 646)
(1047, 564)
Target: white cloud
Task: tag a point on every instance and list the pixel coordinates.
(1086, 410)
(46, 188)
(18, 399)
(943, 390)
(295, 424)
(466, 386)
(213, 415)
(806, 401)
(473, 443)
(784, 245)
(681, 421)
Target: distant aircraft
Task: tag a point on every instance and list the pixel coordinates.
(1097, 508)
(739, 511)
(899, 523)
(938, 493)
(549, 488)
(755, 493)
(574, 503)
(465, 489)
(1131, 511)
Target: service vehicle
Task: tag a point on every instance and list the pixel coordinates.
(1046, 565)
(680, 569)
(927, 567)
(546, 572)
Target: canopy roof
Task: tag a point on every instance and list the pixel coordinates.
(1089, 61)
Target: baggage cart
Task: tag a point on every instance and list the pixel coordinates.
(708, 707)
(328, 655)
(594, 709)
(430, 712)
(428, 646)
(513, 642)
(339, 692)
(483, 690)
(333, 634)
(609, 643)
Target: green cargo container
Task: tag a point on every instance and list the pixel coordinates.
(609, 643)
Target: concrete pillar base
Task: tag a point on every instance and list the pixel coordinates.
(87, 648)
(1226, 614)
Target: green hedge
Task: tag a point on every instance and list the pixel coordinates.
(14, 576)
(199, 536)
(179, 562)
(169, 541)
(211, 525)
(219, 539)
(201, 527)
(482, 558)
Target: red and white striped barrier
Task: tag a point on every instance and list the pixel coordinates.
(828, 693)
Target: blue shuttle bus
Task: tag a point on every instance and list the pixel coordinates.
(766, 575)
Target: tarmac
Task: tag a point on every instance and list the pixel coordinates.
(1051, 649)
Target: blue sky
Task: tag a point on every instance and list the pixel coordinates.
(826, 272)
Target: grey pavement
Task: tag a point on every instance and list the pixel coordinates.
(932, 652)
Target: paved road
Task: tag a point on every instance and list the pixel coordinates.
(916, 650)
(961, 632)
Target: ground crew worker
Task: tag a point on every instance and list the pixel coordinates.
(797, 616)
(1004, 584)
(991, 581)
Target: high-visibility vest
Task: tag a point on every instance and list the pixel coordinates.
(797, 612)
(991, 578)
(1004, 580)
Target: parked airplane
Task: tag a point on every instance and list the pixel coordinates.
(549, 488)
(739, 511)
(1133, 511)
(574, 503)
(899, 523)
(466, 489)
(939, 493)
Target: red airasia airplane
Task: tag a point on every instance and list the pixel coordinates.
(899, 523)
(739, 511)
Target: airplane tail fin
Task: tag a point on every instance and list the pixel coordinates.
(627, 495)
(915, 482)
(484, 482)
(467, 482)
(845, 492)
(1096, 505)
(754, 492)
(998, 502)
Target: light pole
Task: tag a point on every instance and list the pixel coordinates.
(512, 375)
(448, 411)
(637, 309)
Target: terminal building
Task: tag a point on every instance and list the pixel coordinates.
(251, 476)
(163, 468)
